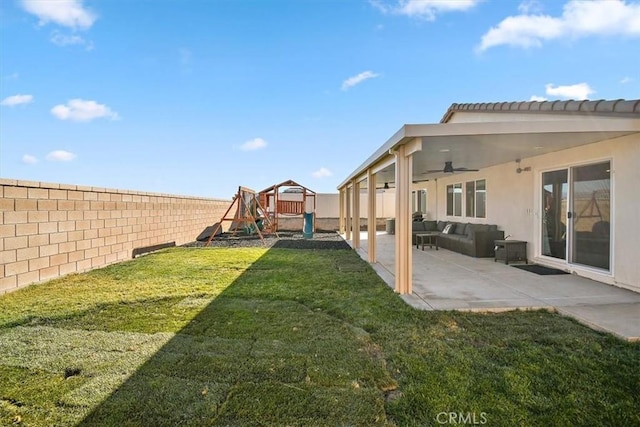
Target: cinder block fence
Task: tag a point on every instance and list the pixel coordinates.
(50, 230)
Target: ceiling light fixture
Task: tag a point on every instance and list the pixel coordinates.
(519, 169)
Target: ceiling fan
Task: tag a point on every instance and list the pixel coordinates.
(385, 186)
(448, 168)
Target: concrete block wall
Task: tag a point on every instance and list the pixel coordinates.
(295, 223)
(50, 230)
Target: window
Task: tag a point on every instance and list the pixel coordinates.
(470, 193)
(454, 200)
(476, 198)
(419, 201)
(481, 198)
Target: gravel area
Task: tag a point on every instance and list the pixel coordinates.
(287, 240)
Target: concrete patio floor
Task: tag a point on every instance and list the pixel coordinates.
(445, 280)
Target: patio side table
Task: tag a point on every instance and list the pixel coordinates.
(510, 250)
(432, 237)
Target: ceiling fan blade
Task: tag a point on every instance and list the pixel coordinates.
(386, 186)
(448, 168)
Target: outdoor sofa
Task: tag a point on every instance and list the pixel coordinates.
(476, 240)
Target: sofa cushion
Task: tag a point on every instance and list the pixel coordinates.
(430, 225)
(461, 229)
(441, 225)
(417, 226)
(473, 228)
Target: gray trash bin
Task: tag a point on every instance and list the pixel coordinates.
(391, 226)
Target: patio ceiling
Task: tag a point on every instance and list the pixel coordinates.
(481, 145)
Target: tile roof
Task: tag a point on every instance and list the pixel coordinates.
(618, 107)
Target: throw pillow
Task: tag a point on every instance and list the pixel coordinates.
(448, 229)
(430, 225)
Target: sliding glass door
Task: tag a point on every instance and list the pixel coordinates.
(591, 215)
(555, 185)
(576, 215)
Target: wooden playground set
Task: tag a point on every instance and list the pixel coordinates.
(258, 213)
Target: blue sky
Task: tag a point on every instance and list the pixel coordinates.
(197, 97)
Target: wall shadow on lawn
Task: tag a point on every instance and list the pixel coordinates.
(260, 353)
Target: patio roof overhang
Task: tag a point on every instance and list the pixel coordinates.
(480, 145)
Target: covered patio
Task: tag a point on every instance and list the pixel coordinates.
(510, 150)
(445, 280)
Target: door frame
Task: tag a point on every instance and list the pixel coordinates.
(565, 264)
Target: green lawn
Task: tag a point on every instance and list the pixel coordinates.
(286, 337)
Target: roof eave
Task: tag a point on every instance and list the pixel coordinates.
(396, 139)
(409, 132)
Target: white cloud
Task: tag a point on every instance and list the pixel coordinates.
(322, 173)
(12, 101)
(577, 91)
(530, 6)
(60, 156)
(69, 40)
(579, 19)
(425, 9)
(68, 13)
(80, 110)
(254, 144)
(522, 31)
(537, 98)
(352, 81)
(29, 159)
(428, 9)
(626, 80)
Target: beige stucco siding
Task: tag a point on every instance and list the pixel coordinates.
(514, 201)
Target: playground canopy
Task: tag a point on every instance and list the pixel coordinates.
(294, 200)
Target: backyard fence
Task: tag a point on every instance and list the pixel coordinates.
(50, 230)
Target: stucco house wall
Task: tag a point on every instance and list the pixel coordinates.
(514, 202)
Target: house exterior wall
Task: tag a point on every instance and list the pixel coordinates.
(514, 202)
(50, 230)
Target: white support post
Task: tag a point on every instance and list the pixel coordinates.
(341, 211)
(347, 215)
(372, 216)
(404, 174)
(356, 214)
